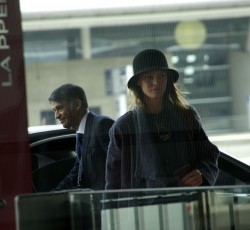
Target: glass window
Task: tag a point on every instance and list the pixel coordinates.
(52, 45)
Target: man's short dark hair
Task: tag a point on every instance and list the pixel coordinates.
(69, 92)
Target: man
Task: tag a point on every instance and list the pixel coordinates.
(70, 105)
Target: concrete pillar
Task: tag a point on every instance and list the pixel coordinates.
(86, 43)
(248, 38)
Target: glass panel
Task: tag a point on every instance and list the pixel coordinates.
(180, 208)
(209, 208)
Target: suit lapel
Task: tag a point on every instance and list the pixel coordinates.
(87, 132)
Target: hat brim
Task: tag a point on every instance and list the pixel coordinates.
(170, 72)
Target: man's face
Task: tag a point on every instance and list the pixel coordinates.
(66, 113)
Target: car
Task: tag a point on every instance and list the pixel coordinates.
(53, 154)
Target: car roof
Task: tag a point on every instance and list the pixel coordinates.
(43, 128)
(37, 133)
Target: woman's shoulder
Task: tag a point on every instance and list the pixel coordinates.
(124, 122)
(123, 125)
(125, 118)
(194, 112)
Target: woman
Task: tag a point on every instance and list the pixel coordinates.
(161, 142)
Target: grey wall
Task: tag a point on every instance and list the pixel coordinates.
(42, 78)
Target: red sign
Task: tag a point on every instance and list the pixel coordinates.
(15, 165)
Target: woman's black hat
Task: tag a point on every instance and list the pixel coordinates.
(150, 60)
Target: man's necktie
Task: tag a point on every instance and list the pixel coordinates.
(79, 141)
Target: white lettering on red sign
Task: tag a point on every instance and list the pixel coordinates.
(6, 78)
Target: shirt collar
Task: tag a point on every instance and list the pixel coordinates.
(82, 124)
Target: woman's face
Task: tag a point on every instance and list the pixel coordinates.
(153, 84)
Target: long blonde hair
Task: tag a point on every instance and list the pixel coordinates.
(175, 94)
(174, 98)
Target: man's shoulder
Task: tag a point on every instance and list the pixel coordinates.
(99, 118)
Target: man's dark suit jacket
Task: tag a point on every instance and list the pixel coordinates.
(94, 150)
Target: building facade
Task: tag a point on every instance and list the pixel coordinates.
(94, 49)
